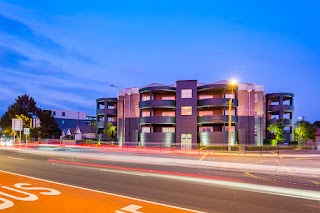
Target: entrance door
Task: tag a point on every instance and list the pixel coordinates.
(186, 141)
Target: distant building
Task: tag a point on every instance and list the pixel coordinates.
(69, 119)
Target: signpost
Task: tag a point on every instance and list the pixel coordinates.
(26, 131)
(16, 126)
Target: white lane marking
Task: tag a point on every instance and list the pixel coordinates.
(131, 209)
(16, 158)
(106, 193)
(122, 172)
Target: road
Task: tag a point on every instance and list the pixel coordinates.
(197, 189)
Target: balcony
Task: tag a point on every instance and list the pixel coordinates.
(277, 108)
(216, 138)
(215, 119)
(158, 120)
(157, 138)
(157, 104)
(216, 102)
(100, 111)
(111, 111)
(286, 122)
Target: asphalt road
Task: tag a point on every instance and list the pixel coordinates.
(132, 180)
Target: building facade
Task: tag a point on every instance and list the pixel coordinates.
(106, 111)
(69, 119)
(189, 114)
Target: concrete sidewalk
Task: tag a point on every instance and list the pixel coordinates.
(178, 161)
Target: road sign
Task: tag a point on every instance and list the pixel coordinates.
(16, 124)
(26, 131)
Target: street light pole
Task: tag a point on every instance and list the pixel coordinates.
(232, 83)
(123, 114)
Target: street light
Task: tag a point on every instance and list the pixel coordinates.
(232, 83)
(123, 118)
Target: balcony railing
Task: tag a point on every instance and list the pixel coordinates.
(213, 102)
(276, 108)
(157, 104)
(216, 119)
(166, 138)
(158, 120)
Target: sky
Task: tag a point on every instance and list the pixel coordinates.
(66, 54)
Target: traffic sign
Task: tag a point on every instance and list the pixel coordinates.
(16, 124)
(26, 131)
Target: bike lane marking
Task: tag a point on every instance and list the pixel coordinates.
(29, 194)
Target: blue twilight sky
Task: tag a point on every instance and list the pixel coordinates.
(65, 54)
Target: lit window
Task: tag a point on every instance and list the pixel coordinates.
(233, 112)
(62, 122)
(186, 93)
(255, 130)
(145, 98)
(230, 96)
(145, 113)
(256, 98)
(110, 119)
(168, 129)
(186, 110)
(233, 129)
(205, 113)
(201, 97)
(145, 129)
(170, 113)
(63, 114)
(205, 129)
(172, 98)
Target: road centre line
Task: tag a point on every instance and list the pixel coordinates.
(122, 172)
(101, 192)
(16, 158)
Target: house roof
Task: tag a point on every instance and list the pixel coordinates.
(86, 129)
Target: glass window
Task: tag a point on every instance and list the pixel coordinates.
(230, 96)
(62, 122)
(171, 113)
(186, 110)
(54, 113)
(201, 97)
(63, 114)
(205, 129)
(145, 129)
(255, 130)
(233, 112)
(256, 98)
(204, 113)
(233, 129)
(168, 129)
(145, 113)
(145, 97)
(172, 98)
(110, 119)
(186, 93)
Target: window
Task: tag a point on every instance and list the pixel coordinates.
(205, 129)
(110, 119)
(171, 113)
(201, 97)
(256, 98)
(63, 114)
(145, 129)
(62, 122)
(111, 107)
(186, 110)
(256, 113)
(255, 130)
(233, 112)
(54, 113)
(168, 129)
(172, 98)
(186, 93)
(230, 96)
(145, 98)
(233, 129)
(145, 113)
(204, 113)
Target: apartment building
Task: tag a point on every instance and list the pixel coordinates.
(68, 119)
(106, 111)
(189, 113)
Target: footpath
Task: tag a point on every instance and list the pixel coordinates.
(188, 158)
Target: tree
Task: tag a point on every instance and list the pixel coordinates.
(278, 130)
(26, 108)
(316, 124)
(110, 131)
(304, 131)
